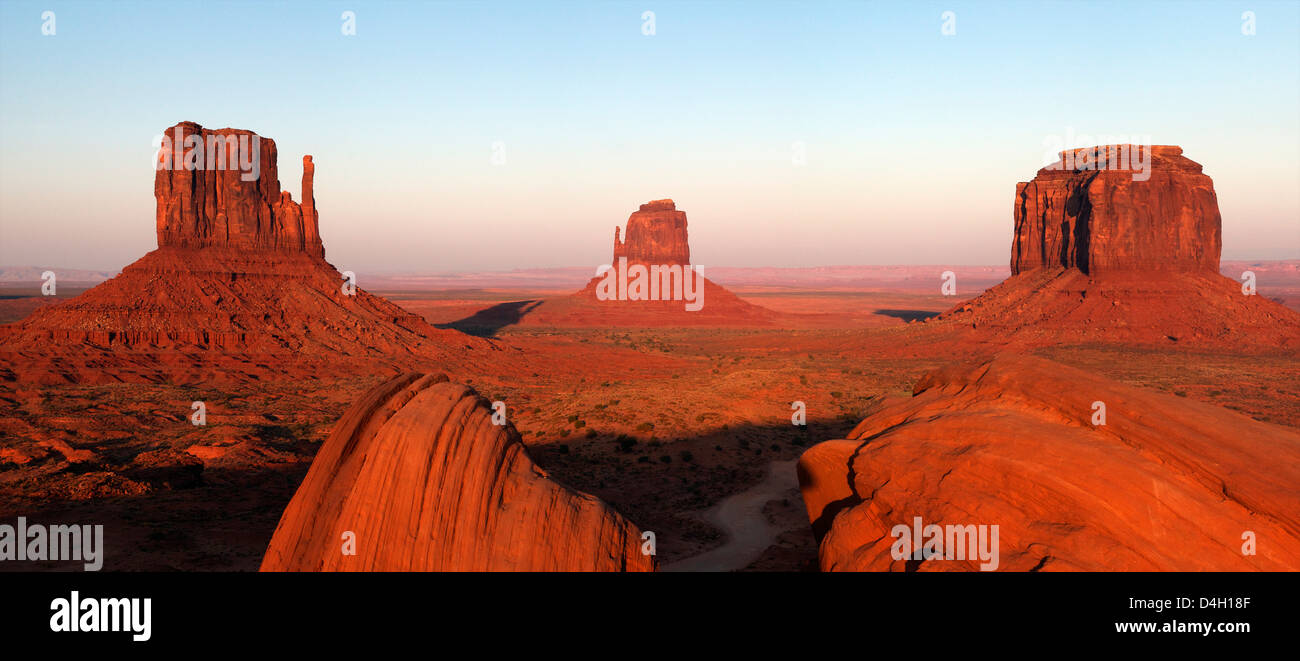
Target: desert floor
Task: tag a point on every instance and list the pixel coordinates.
(686, 431)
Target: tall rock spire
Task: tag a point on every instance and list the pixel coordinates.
(220, 188)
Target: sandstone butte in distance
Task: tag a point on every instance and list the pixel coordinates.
(1098, 257)
(656, 235)
(216, 207)
(417, 470)
(1101, 219)
(238, 289)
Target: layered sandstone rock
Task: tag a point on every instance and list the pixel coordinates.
(221, 188)
(1166, 484)
(656, 237)
(1116, 207)
(237, 289)
(1099, 256)
(423, 480)
(656, 234)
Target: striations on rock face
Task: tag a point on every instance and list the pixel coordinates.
(1088, 212)
(656, 234)
(417, 470)
(1167, 484)
(209, 203)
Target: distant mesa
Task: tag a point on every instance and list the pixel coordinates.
(423, 480)
(207, 206)
(238, 282)
(1166, 484)
(656, 237)
(1097, 210)
(1120, 243)
(656, 234)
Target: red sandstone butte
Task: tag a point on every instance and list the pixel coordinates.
(238, 288)
(656, 234)
(1167, 484)
(202, 207)
(1099, 256)
(1096, 217)
(419, 474)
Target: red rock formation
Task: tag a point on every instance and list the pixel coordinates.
(1087, 211)
(656, 234)
(213, 190)
(419, 473)
(1167, 484)
(1100, 257)
(238, 288)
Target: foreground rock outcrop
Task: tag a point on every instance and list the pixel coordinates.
(1166, 484)
(1106, 253)
(237, 289)
(422, 478)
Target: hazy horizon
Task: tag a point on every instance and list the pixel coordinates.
(912, 141)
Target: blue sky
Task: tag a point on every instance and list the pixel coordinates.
(913, 140)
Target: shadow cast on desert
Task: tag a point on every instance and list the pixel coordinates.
(489, 321)
(907, 315)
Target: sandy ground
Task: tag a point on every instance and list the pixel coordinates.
(686, 431)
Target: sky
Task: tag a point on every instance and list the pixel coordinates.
(791, 133)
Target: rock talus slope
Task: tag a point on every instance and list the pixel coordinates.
(1166, 484)
(417, 470)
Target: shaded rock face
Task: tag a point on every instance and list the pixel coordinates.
(1166, 484)
(218, 201)
(656, 234)
(419, 473)
(1088, 212)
